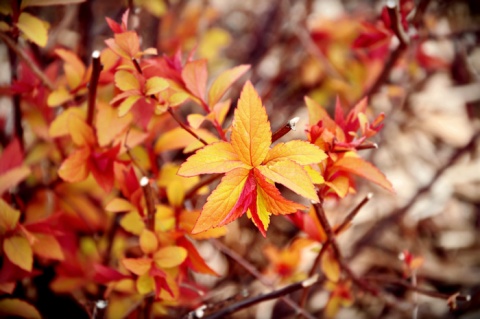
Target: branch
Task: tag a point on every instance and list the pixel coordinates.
(150, 202)
(396, 23)
(290, 126)
(252, 270)
(92, 86)
(185, 127)
(28, 61)
(372, 234)
(201, 184)
(245, 303)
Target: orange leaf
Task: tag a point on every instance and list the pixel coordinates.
(194, 260)
(75, 167)
(74, 67)
(194, 74)
(148, 241)
(60, 125)
(33, 28)
(274, 201)
(171, 256)
(8, 217)
(301, 152)
(224, 81)
(109, 124)
(251, 135)
(139, 266)
(218, 157)
(128, 43)
(13, 177)
(81, 133)
(362, 168)
(291, 175)
(222, 200)
(340, 185)
(47, 246)
(118, 205)
(18, 308)
(19, 252)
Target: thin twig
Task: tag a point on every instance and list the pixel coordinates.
(289, 126)
(201, 184)
(352, 214)
(185, 127)
(252, 270)
(92, 86)
(137, 65)
(248, 302)
(396, 23)
(28, 61)
(426, 292)
(150, 224)
(372, 234)
(150, 202)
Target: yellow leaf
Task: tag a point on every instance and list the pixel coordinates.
(109, 124)
(145, 284)
(291, 175)
(58, 97)
(315, 175)
(301, 152)
(213, 40)
(33, 28)
(60, 125)
(126, 81)
(13, 177)
(118, 205)
(133, 223)
(195, 120)
(8, 217)
(178, 138)
(222, 200)
(171, 256)
(223, 82)
(139, 266)
(81, 133)
(18, 308)
(73, 67)
(339, 185)
(330, 266)
(47, 246)
(148, 241)
(75, 167)
(127, 104)
(251, 135)
(218, 157)
(155, 84)
(19, 252)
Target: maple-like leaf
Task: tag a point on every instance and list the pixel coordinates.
(252, 168)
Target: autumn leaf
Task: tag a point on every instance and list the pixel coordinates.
(251, 167)
(8, 217)
(10, 307)
(223, 82)
(19, 252)
(195, 74)
(33, 28)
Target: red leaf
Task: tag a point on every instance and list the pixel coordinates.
(12, 156)
(104, 275)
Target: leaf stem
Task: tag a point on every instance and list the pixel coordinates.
(92, 86)
(185, 127)
(28, 61)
